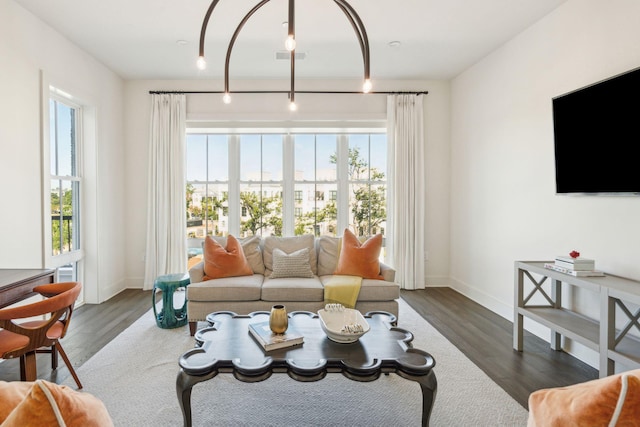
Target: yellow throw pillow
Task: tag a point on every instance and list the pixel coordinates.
(222, 262)
(360, 259)
(50, 404)
(609, 401)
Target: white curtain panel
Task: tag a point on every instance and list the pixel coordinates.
(166, 251)
(405, 218)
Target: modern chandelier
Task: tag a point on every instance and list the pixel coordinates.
(290, 44)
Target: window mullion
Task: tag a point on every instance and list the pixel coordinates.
(234, 185)
(343, 183)
(288, 186)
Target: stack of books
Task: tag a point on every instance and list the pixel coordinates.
(270, 341)
(580, 267)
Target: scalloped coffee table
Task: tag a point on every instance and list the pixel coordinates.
(227, 347)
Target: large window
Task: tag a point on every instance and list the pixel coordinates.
(65, 184)
(286, 183)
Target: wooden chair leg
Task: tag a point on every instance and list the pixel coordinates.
(28, 367)
(54, 357)
(23, 370)
(68, 363)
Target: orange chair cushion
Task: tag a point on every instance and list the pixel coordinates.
(10, 341)
(359, 259)
(224, 262)
(44, 402)
(54, 332)
(613, 400)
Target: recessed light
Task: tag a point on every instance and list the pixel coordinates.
(182, 42)
(394, 43)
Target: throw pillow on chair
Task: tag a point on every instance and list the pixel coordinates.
(610, 401)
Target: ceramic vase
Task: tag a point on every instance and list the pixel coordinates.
(278, 320)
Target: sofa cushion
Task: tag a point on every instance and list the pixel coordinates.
(251, 249)
(51, 404)
(295, 264)
(292, 289)
(328, 253)
(613, 401)
(226, 261)
(289, 245)
(359, 259)
(243, 288)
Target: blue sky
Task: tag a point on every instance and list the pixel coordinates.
(60, 156)
(307, 154)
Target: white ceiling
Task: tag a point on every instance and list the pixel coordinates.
(138, 39)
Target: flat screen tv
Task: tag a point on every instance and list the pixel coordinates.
(597, 137)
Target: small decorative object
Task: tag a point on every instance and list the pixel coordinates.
(574, 254)
(334, 307)
(278, 320)
(342, 325)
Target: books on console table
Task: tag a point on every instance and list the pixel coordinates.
(577, 273)
(575, 263)
(270, 341)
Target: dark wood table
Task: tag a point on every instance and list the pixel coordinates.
(227, 347)
(17, 284)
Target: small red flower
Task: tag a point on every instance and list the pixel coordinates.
(574, 254)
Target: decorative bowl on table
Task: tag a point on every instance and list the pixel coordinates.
(342, 325)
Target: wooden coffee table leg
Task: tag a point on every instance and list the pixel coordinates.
(429, 386)
(183, 389)
(184, 385)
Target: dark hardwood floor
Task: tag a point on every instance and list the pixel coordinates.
(487, 340)
(92, 327)
(481, 335)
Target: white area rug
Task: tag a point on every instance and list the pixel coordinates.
(135, 374)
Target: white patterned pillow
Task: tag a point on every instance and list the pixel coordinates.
(295, 264)
(289, 245)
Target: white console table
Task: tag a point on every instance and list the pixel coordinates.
(613, 344)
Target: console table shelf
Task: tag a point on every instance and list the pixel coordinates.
(614, 345)
(567, 323)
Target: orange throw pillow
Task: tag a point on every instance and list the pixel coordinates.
(224, 262)
(612, 400)
(360, 259)
(50, 404)
(11, 394)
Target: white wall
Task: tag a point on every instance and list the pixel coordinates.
(257, 108)
(29, 48)
(502, 187)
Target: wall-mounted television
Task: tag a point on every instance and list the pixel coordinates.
(597, 137)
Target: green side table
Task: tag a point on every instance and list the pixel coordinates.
(169, 316)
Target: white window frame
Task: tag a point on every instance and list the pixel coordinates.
(75, 256)
(342, 170)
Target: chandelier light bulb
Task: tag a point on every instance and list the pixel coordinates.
(293, 106)
(201, 63)
(226, 98)
(290, 43)
(366, 87)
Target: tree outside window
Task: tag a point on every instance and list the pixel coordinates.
(314, 192)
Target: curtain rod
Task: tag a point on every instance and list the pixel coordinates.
(331, 92)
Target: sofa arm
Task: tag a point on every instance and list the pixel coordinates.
(196, 273)
(388, 273)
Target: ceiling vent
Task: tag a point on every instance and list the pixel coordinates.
(285, 54)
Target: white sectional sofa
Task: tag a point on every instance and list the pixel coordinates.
(260, 291)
